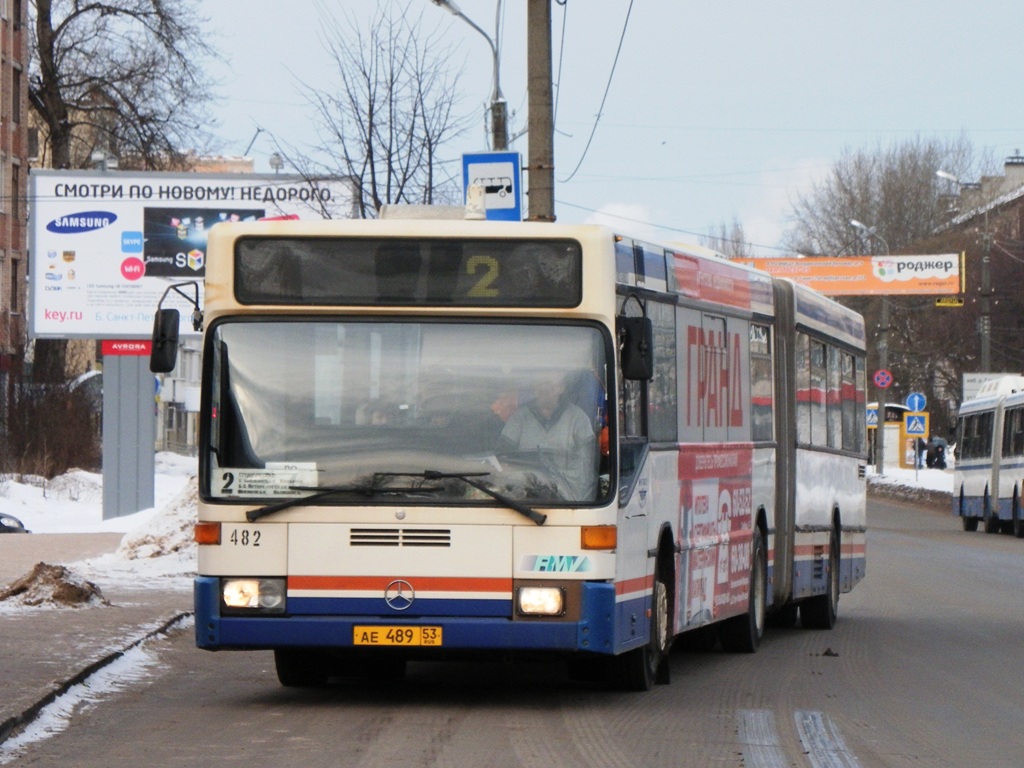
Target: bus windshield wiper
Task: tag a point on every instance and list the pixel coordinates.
(467, 478)
(320, 492)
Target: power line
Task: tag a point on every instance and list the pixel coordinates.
(600, 110)
(674, 229)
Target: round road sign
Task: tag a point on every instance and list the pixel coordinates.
(883, 378)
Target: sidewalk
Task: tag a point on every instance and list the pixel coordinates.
(44, 651)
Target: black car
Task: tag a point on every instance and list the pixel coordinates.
(11, 524)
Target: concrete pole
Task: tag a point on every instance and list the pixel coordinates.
(985, 321)
(541, 162)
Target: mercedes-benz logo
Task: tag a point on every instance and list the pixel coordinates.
(399, 595)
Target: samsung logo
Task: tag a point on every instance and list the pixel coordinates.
(86, 221)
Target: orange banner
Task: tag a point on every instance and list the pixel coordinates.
(938, 275)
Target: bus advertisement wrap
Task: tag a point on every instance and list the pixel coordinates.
(104, 246)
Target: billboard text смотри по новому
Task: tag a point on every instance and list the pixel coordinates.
(104, 246)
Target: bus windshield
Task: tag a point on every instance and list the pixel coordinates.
(302, 405)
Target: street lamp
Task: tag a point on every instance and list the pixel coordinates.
(883, 353)
(985, 321)
(499, 113)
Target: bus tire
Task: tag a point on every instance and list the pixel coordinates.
(742, 634)
(970, 523)
(641, 668)
(1018, 520)
(820, 611)
(300, 668)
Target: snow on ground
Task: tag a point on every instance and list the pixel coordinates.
(157, 549)
(926, 479)
(73, 502)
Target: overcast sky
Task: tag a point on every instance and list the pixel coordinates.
(716, 110)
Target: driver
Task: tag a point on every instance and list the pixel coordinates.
(561, 433)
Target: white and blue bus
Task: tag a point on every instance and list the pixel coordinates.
(382, 479)
(988, 480)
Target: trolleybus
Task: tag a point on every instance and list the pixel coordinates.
(988, 479)
(435, 439)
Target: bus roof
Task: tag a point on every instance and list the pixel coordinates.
(1004, 385)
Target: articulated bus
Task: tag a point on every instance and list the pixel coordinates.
(988, 480)
(425, 440)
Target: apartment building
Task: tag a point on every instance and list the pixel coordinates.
(14, 164)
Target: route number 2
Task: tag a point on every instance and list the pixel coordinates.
(483, 287)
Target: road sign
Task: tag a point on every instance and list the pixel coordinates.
(500, 174)
(916, 401)
(872, 418)
(916, 424)
(883, 378)
(949, 301)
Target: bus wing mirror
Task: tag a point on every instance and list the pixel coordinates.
(164, 355)
(636, 337)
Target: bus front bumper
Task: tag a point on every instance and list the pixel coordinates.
(594, 631)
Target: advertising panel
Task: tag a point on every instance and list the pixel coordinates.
(104, 246)
(938, 275)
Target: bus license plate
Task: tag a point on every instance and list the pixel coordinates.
(422, 636)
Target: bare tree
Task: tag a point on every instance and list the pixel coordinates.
(896, 191)
(393, 109)
(893, 189)
(729, 240)
(120, 76)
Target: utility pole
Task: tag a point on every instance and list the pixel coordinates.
(883, 352)
(541, 161)
(985, 321)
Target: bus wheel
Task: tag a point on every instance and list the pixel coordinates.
(742, 634)
(1018, 521)
(820, 612)
(300, 668)
(970, 523)
(640, 669)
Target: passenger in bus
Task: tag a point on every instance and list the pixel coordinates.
(560, 433)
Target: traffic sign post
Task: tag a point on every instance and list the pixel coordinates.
(500, 175)
(916, 402)
(882, 380)
(914, 428)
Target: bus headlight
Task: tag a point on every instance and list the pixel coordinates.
(540, 601)
(253, 595)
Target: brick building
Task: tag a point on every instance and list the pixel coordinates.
(14, 164)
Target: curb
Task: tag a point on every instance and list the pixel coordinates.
(17, 722)
(925, 496)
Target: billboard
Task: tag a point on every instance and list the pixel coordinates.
(938, 275)
(104, 246)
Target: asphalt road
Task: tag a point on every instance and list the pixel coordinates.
(922, 669)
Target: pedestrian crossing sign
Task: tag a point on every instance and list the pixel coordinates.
(916, 424)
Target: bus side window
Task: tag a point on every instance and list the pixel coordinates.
(632, 438)
(662, 408)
